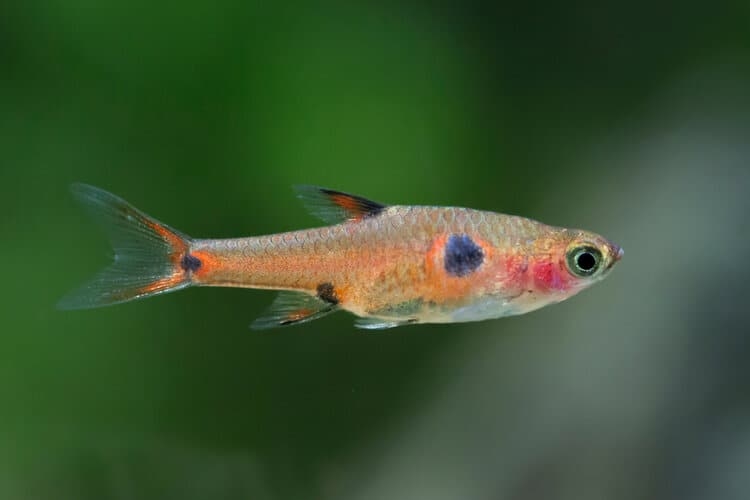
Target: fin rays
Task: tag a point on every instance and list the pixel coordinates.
(292, 308)
(145, 253)
(335, 207)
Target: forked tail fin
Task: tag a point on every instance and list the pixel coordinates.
(150, 257)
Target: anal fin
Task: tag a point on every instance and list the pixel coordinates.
(292, 308)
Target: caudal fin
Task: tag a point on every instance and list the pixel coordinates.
(150, 257)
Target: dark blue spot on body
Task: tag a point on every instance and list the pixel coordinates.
(462, 255)
(190, 263)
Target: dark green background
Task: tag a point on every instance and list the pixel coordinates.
(630, 119)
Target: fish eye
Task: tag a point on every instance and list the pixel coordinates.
(584, 260)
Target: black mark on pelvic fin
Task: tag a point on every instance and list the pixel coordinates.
(327, 293)
(462, 256)
(190, 262)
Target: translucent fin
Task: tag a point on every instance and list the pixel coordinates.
(147, 256)
(334, 207)
(378, 323)
(292, 308)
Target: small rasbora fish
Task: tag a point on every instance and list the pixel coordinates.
(388, 265)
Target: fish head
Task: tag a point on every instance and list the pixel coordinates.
(567, 261)
(589, 257)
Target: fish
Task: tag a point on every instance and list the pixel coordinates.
(389, 265)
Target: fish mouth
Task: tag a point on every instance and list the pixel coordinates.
(617, 254)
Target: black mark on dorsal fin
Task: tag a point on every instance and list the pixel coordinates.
(335, 207)
(462, 255)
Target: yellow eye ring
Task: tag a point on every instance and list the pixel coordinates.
(583, 260)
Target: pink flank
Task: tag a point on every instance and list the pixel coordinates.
(550, 276)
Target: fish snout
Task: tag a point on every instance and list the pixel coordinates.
(618, 253)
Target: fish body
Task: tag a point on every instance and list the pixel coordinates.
(388, 265)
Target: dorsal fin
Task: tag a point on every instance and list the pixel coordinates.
(334, 207)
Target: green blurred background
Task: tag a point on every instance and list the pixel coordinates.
(629, 119)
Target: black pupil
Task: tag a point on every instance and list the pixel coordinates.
(586, 261)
